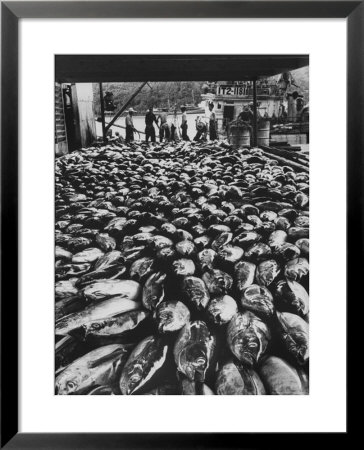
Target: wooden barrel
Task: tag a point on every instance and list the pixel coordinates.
(263, 133)
(239, 136)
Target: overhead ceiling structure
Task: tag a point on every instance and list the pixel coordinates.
(123, 68)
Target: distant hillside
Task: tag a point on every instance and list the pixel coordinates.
(167, 94)
(301, 77)
(159, 95)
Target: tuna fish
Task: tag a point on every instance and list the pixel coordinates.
(280, 378)
(221, 309)
(296, 269)
(153, 290)
(293, 332)
(247, 337)
(244, 274)
(109, 330)
(99, 367)
(258, 300)
(267, 271)
(103, 289)
(238, 380)
(107, 308)
(172, 316)
(145, 361)
(196, 292)
(217, 282)
(292, 297)
(87, 256)
(193, 350)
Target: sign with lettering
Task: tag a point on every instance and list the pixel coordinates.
(238, 90)
(232, 89)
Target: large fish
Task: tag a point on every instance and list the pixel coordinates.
(221, 309)
(206, 258)
(110, 330)
(185, 248)
(244, 274)
(109, 272)
(183, 267)
(277, 239)
(103, 289)
(259, 300)
(267, 271)
(106, 242)
(228, 255)
(222, 240)
(153, 290)
(99, 367)
(61, 253)
(143, 364)
(280, 378)
(247, 337)
(68, 305)
(196, 292)
(288, 251)
(217, 282)
(194, 350)
(296, 269)
(304, 245)
(142, 268)
(172, 316)
(291, 296)
(108, 259)
(238, 380)
(246, 239)
(66, 289)
(88, 255)
(258, 252)
(102, 310)
(295, 233)
(293, 331)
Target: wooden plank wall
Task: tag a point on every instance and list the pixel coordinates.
(82, 94)
(61, 146)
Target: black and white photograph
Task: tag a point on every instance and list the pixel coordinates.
(182, 225)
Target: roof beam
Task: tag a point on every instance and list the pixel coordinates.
(124, 68)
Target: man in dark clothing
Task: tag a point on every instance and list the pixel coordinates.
(184, 125)
(201, 128)
(150, 118)
(212, 122)
(246, 115)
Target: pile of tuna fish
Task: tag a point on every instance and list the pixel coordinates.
(181, 270)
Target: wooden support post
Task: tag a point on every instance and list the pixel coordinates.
(255, 119)
(102, 113)
(123, 108)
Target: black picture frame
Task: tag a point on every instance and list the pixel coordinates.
(11, 12)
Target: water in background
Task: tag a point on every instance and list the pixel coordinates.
(139, 123)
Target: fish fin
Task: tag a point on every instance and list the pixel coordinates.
(115, 354)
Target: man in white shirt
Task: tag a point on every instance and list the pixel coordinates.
(129, 125)
(164, 126)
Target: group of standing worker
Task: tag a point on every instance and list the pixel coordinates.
(168, 131)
